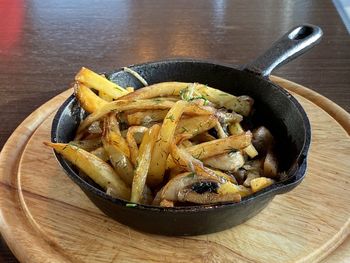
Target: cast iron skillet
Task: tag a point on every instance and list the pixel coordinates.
(275, 108)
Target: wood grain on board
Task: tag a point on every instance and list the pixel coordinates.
(47, 218)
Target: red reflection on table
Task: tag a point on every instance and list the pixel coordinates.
(11, 20)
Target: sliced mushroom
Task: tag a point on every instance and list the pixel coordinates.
(189, 187)
(262, 140)
(187, 195)
(270, 165)
(240, 175)
(227, 162)
(158, 198)
(95, 127)
(228, 117)
(179, 182)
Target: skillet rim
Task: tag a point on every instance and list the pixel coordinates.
(272, 190)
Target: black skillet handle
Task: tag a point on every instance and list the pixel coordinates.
(294, 43)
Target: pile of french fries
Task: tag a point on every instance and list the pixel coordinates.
(167, 144)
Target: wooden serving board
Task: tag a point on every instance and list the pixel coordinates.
(45, 217)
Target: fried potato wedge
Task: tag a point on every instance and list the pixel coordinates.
(118, 152)
(130, 138)
(162, 147)
(146, 117)
(99, 171)
(241, 105)
(143, 162)
(260, 183)
(162, 89)
(88, 100)
(195, 125)
(236, 129)
(105, 96)
(88, 145)
(219, 146)
(185, 160)
(99, 83)
(100, 153)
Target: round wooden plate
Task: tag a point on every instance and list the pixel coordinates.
(45, 217)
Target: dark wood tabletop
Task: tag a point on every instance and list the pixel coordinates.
(44, 43)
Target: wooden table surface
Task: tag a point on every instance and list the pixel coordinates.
(44, 43)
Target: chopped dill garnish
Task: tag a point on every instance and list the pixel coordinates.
(171, 117)
(191, 175)
(183, 129)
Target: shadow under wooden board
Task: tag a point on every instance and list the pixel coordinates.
(45, 217)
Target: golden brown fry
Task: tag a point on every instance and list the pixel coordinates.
(118, 152)
(203, 137)
(236, 129)
(195, 125)
(212, 148)
(162, 147)
(250, 176)
(185, 160)
(134, 150)
(260, 183)
(88, 145)
(88, 100)
(251, 151)
(162, 89)
(113, 134)
(241, 105)
(220, 131)
(143, 162)
(95, 168)
(100, 83)
(146, 117)
(215, 147)
(100, 153)
(186, 144)
(105, 96)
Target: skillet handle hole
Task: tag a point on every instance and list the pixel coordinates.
(301, 32)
